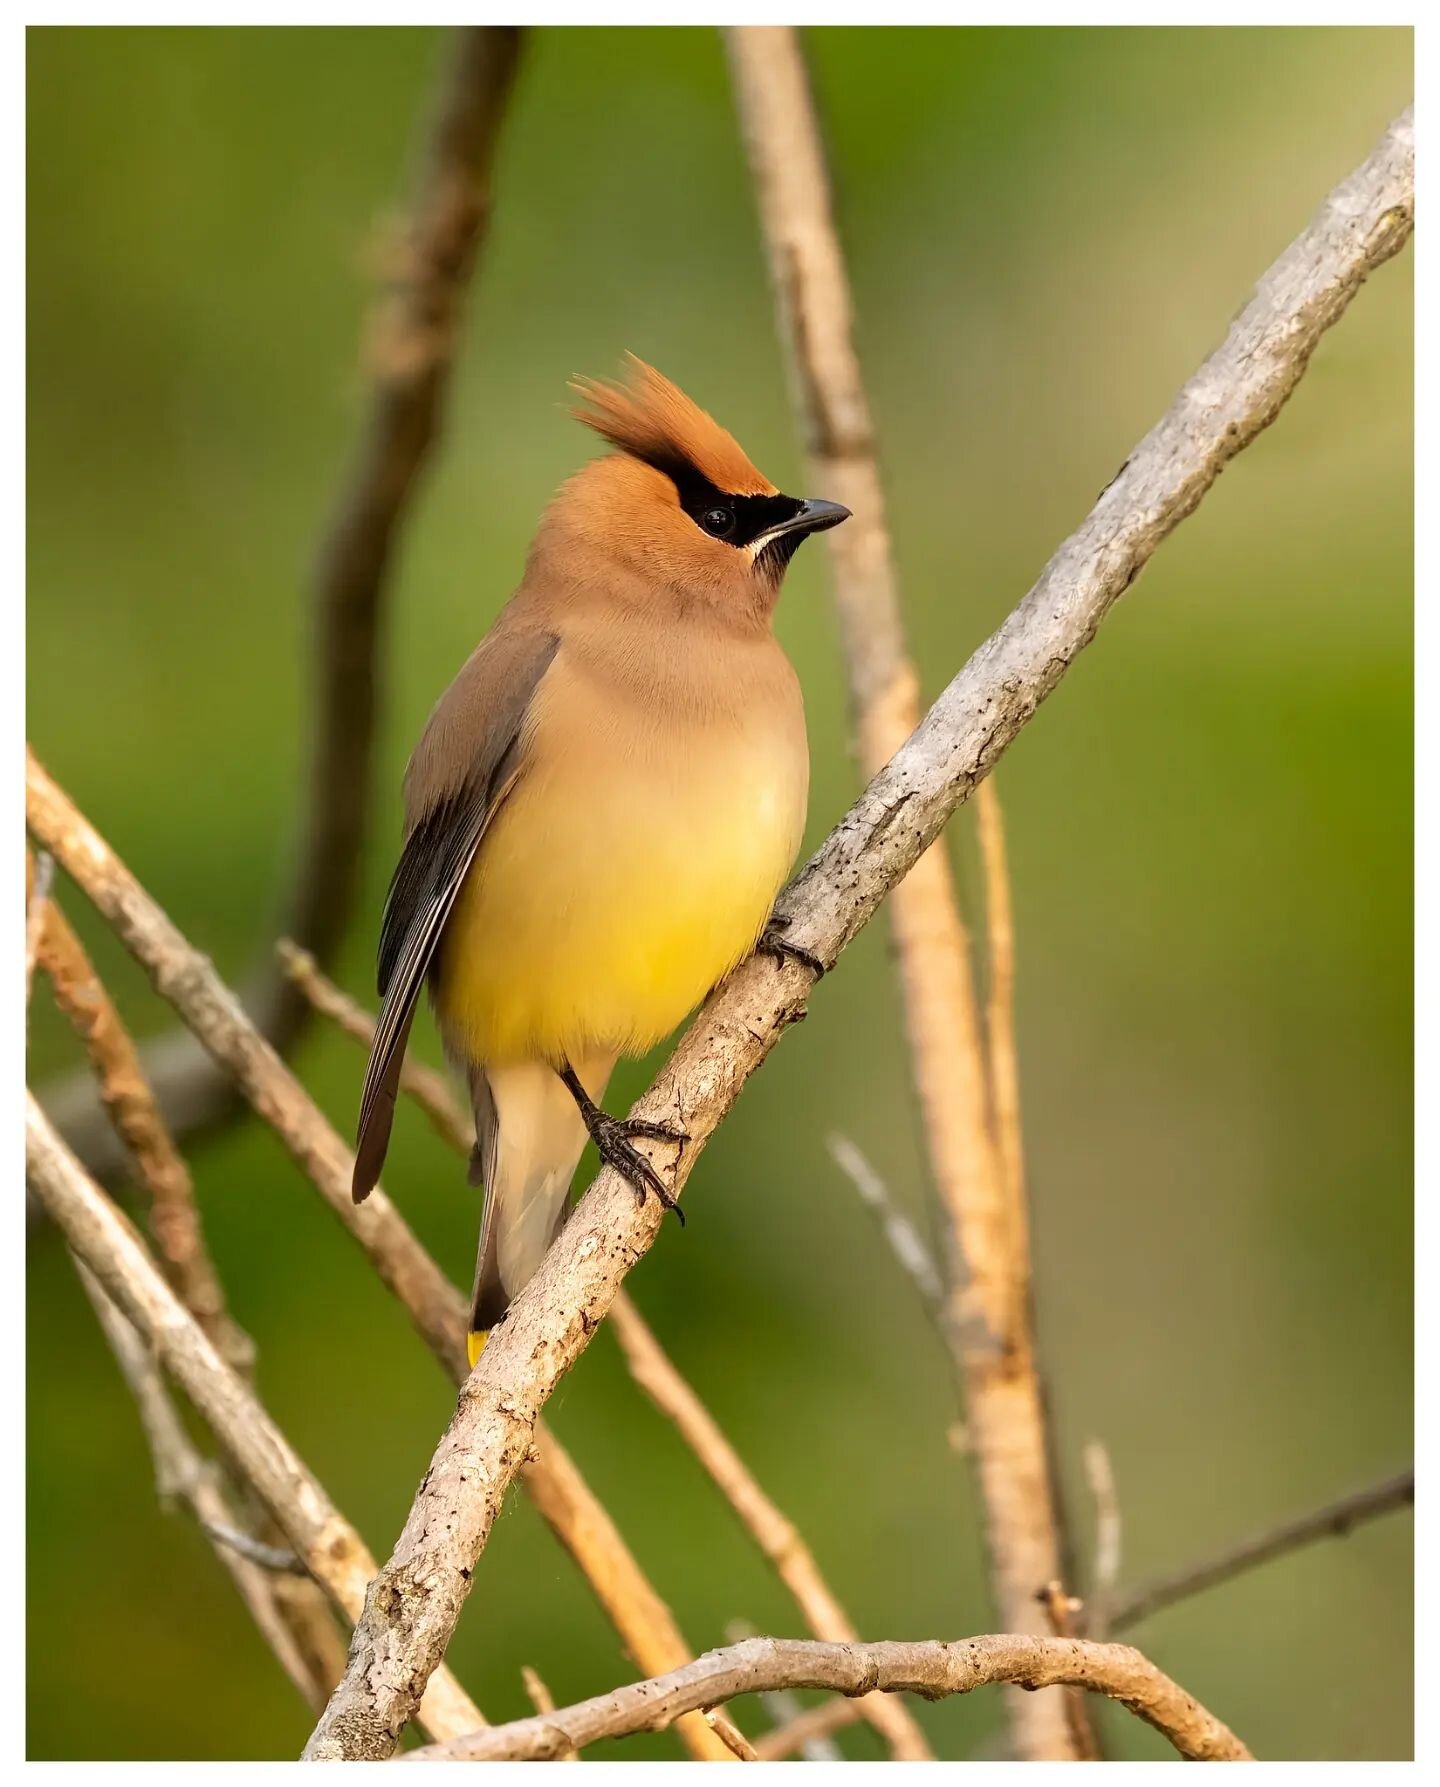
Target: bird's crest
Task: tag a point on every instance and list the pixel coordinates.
(653, 420)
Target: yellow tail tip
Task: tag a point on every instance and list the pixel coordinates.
(475, 1345)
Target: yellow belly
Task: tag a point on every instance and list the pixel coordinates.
(612, 891)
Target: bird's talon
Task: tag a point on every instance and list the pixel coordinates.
(772, 943)
(612, 1138)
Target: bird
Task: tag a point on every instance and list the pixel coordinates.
(599, 813)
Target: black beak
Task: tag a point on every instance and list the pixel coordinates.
(811, 516)
(815, 515)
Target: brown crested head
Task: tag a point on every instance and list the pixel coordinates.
(679, 502)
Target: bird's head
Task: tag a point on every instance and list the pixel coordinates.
(679, 505)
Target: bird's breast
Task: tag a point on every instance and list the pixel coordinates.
(631, 868)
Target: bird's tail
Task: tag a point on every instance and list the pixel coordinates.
(529, 1139)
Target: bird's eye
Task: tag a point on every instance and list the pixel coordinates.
(719, 522)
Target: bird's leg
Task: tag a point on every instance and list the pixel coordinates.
(773, 942)
(611, 1135)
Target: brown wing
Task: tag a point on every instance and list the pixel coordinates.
(465, 764)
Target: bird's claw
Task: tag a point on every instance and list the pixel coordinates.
(612, 1135)
(773, 942)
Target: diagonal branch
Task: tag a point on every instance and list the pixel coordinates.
(38, 879)
(975, 1170)
(159, 1168)
(187, 979)
(416, 1600)
(298, 1606)
(413, 339)
(101, 1238)
(653, 1370)
(182, 1474)
(772, 1530)
(1333, 1521)
(929, 1667)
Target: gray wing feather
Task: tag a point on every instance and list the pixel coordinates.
(465, 765)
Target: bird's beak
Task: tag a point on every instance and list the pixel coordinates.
(812, 517)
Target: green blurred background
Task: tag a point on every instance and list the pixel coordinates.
(1210, 823)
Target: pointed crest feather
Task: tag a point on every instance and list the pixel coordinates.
(653, 420)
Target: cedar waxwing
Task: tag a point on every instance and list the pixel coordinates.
(599, 813)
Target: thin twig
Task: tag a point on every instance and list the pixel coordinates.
(274, 1558)
(808, 1730)
(183, 1475)
(1000, 993)
(773, 1531)
(796, 1727)
(730, 1734)
(187, 979)
(1237, 392)
(903, 1237)
(1333, 1521)
(1109, 1536)
(980, 1191)
(429, 1090)
(928, 1667)
(656, 1374)
(160, 1170)
(332, 1551)
(544, 1702)
(412, 340)
(38, 876)
(174, 1219)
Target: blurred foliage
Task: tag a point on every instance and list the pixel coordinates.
(1210, 824)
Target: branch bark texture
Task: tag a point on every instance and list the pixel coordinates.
(188, 981)
(651, 1367)
(931, 1668)
(183, 1475)
(159, 1168)
(331, 1549)
(416, 1600)
(771, 1528)
(988, 1319)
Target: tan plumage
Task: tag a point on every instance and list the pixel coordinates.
(602, 807)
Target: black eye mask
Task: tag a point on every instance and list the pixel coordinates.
(737, 520)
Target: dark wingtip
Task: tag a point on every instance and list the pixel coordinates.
(370, 1149)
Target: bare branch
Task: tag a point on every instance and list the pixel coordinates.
(1109, 1532)
(1333, 1521)
(730, 1734)
(904, 1239)
(417, 1597)
(181, 1474)
(175, 1223)
(274, 1558)
(429, 1090)
(412, 342)
(1000, 997)
(929, 1667)
(773, 1531)
(187, 979)
(974, 1161)
(806, 1731)
(159, 1168)
(330, 1548)
(645, 1623)
(544, 1702)
(38, 876)
(657, 1376)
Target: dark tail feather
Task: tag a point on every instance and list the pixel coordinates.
(376, 1117)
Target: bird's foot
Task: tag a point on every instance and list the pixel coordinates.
(612, 1136)
(773, 942)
